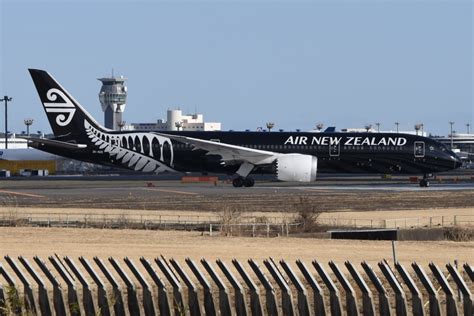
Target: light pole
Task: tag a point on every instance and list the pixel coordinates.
(451, 135)
(368, 127)
(319, 126)
(397, 123)
(121, 124)
(6, 99)
(270, 125)
(378, 127)
(422, 129)
(417, 128)
(28, 123)
(178, 124)
(468, 126)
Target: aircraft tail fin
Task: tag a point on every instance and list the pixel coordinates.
(66, 116)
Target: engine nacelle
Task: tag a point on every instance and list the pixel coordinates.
(296, 167)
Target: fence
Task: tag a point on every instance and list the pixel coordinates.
(151, 220)
(404, 222)
(243, 225)
(280, 290)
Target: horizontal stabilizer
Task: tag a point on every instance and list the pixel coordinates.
(54, 143)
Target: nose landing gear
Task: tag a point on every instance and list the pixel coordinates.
(241, 181)
(425, 182)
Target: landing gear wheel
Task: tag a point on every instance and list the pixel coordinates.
(424, 183)
(238, 182)
(249, 182)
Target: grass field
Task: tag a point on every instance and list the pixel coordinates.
(135, 243)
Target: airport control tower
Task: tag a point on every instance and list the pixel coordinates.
(113, 96)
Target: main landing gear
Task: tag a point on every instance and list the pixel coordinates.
(243, 182)
(425, 182)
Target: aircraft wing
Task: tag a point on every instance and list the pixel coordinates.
(54, 143)
(230, 154)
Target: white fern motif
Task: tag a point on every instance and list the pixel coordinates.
(131, 159)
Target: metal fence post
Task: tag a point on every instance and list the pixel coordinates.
(193, 299)
(335, 302)
(117, 298)
(367, 302)
(286, 297)
(351, 300)
(469, 271)
(132, 299)
(435, 309)
(224, 304)
(451, 308)
(239, 297)
(208, 299)
(87, 300)
(400, 300)
(12, 294)
(148, 305)
(466, 294)
(303, 305)
(318, 295)
(178, 303)
(103, 302)
(58, 301)
(416, 298)
(255, 305)
(43, 300)
(163, 302)
(384, 306)
(28, 297)
(73, 301)
(269, 290)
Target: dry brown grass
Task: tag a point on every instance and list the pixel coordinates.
(135, 243)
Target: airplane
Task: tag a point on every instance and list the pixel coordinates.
(291, 156)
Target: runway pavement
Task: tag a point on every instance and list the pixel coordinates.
(174, 195)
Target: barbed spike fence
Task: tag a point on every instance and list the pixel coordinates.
(274, 288)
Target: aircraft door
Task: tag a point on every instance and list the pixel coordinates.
(334, 150)
(419, 149)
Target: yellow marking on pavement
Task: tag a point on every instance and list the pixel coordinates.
(22, 194)
(172, 191)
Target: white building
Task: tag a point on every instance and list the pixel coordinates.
(177, 121)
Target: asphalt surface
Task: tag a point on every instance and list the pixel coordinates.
(148, 194)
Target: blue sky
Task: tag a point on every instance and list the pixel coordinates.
(344, 63)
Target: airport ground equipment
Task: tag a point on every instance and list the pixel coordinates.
(161, 283)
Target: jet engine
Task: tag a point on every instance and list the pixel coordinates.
(296, 167)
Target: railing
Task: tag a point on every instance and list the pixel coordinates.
(164, 287)
(403, 222)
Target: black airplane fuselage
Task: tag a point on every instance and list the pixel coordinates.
(383, 153)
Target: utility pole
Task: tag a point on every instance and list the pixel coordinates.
(6, 99)
(451, 135)
(397, 123)
(378, 127)
(468, 126)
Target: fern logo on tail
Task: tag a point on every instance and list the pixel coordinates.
(64, 109)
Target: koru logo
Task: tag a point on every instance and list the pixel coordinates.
(65, 110)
